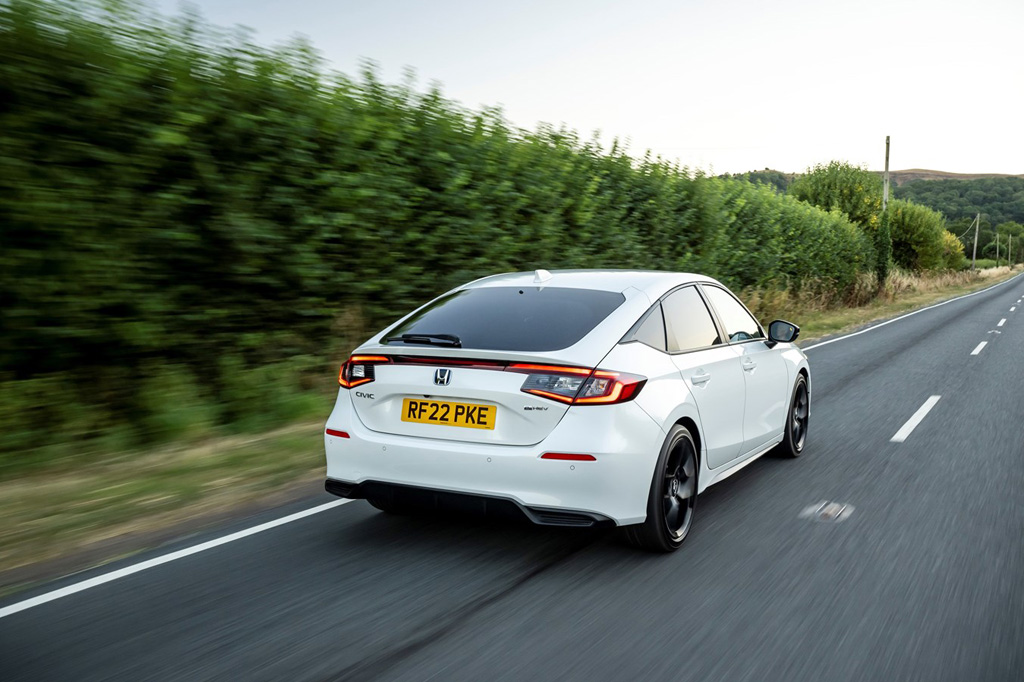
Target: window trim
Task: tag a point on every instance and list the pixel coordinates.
(718, 321)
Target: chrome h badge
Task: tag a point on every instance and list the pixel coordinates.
(442, 377)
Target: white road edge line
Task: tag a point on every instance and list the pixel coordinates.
(903, 317)
(166, 558)
(978, 348)
(1001, 322)
(912, 423)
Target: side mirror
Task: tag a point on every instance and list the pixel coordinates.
(780, 331)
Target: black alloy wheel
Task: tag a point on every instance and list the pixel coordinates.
(680, 489)
(795, 435)
(673, 496)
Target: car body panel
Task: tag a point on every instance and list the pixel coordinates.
(719, 396)
(767, 397)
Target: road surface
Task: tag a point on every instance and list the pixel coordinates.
(923, 580)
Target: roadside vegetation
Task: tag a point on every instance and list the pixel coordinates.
(196, 230)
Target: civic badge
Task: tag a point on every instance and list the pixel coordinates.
(442, 377)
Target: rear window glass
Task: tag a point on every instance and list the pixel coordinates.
(513, 318)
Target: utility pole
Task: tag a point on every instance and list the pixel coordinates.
(885, 184)
(997, 249)
(974, 254)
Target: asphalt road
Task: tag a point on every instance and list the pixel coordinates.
(923, 581)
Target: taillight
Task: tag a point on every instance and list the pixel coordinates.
(358, 370)
(605, 388)
(579, 385)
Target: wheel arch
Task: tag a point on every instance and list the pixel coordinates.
(691, 425)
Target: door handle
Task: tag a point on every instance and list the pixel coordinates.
(700, 378)
(749, 365)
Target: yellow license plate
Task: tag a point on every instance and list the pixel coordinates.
(467, 415)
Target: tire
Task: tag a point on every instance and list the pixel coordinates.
(672, 498)
(795, 434)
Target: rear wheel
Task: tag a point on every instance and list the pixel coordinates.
(672, 498)
(795, 435)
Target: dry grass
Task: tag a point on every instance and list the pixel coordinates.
(819, 314)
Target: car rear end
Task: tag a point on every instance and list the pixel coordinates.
(494, 397)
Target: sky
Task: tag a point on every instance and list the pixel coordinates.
(726, 86)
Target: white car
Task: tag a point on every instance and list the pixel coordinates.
(577, 398)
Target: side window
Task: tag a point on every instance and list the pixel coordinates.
(652, 330)
(688, 324)
(739, 324)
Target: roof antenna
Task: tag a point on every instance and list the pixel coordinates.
(540, 276)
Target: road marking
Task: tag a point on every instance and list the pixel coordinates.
(1012, 308)
(1001, 322)
(833, 512)
(912, 423)
(166, 558)
(903, 317)
(978, 348)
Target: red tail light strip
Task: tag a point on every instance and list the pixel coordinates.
(523, 368)
(335, 432)
(568, 457)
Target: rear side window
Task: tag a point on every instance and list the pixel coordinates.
(652, 330)
(513, 318)
(688, 323)
(739, 324)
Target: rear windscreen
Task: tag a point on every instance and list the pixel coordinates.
(513, 318)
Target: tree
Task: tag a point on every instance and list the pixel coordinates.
(855, 191)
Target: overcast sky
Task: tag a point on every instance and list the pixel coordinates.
(727, 86)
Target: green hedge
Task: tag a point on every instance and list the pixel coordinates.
(195, 229)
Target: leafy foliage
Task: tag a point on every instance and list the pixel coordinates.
(194, 229)
(918, 236)
(776, 179)
(855, 191)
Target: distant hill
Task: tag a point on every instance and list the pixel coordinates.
(998, 198)
(902, 176)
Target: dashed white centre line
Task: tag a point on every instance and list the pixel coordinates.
(1001, 322)
(912, 423)
(1012, 308)
(980, 346)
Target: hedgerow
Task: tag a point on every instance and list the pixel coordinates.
(195, 228)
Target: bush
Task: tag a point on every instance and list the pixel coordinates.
(918, 236)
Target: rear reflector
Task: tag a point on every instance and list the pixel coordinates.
(335, 432)
(568, 457)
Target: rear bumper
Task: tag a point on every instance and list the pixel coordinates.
(442, 500)
(613, 489)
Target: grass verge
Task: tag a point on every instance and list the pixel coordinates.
(903, 294)
(58, 513)
(52, 515)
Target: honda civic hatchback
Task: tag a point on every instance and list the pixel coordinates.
(574, 398)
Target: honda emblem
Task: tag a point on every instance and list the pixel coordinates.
(442, 377)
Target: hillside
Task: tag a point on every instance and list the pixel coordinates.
(998, 198)
(903, 176)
